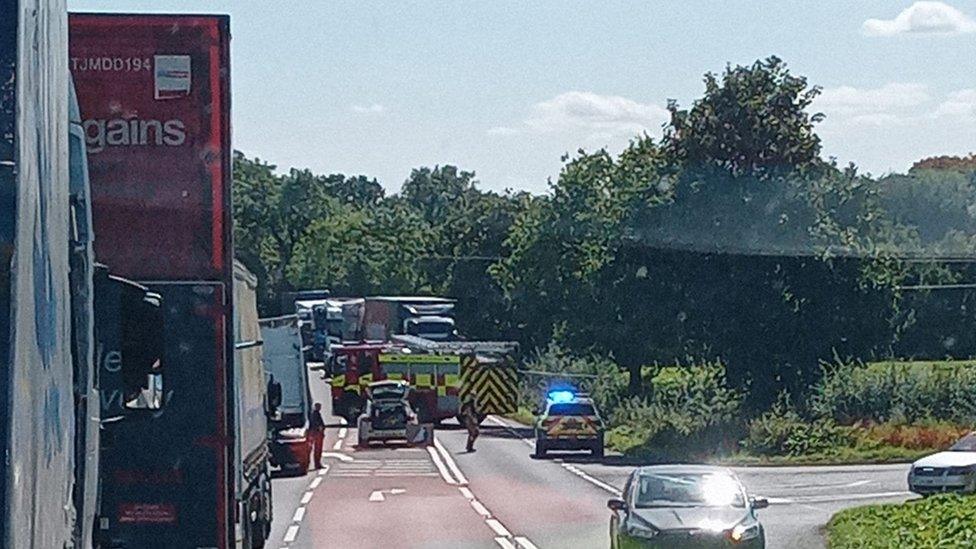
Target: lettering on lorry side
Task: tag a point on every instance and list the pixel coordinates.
(110, 64)
(134, 132)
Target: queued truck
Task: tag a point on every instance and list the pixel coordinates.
(184, 461)
(63, 318)
(287, 375)
(427, 317)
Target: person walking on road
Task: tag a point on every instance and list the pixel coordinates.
(469, 412)
(316, 430)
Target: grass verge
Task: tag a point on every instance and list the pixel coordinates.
(937, 521)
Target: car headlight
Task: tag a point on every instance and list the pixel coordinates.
(294, 434)
(743, 532)
(638, 530)
(968, 469)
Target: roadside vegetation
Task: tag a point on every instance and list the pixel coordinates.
(724, 290)
(856, 413)
(936, 521)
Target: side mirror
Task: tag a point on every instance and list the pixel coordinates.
(759, 502)
(616, 504)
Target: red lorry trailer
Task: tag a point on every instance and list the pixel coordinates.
(154, 92)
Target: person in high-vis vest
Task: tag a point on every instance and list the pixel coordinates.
(469, 412)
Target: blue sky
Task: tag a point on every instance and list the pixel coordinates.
(504, 88)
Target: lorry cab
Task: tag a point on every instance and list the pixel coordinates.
(569, 421)
(285, 368)
(434, 328)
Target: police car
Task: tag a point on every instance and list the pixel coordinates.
(570, 421)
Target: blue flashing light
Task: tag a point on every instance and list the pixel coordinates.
(561, 396)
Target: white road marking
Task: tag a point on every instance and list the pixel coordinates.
(440, 466)
(323, 471)
(498, 527)
(291, 534)
(594, 481)
(525, 543)
(342, 421)
(480, 508)
(857, 483)
(528, 442)
(846, 497)
(504, 543)
(299, 514)
(306, 497)
(315, 483)
(450, 463)
(342, 432)
(377, 495)
(337, 445)
(466, 492)
(337, 455)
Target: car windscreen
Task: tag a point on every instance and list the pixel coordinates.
(572, 409)
(688, 490)
(965, 444)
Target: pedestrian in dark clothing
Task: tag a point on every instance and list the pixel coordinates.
(469, 412)
(316, 430)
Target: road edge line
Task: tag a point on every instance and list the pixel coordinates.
(461, 479)
(441, 468)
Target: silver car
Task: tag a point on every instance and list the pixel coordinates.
(677, 506)
(951, 471)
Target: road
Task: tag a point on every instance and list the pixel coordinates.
(500, 496)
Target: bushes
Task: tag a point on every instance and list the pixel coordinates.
(906, 392)
(937, 521)
(913, 437)
(783, 432)
(863, 413)
(686, 411)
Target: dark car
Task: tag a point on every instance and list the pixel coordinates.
(677, 506)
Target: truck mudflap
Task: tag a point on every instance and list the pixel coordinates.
(493, 383)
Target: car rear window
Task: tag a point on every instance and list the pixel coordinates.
(572, 410)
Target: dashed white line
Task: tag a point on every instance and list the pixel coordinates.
(306, 497)
(498, 527)
(525, 543)
(291, 534)
(592, 480)
(480, 508)
(315, 483)
(466, 492)
(299, 514)
(451, 463)
(323, 471)
(440, 466)
(504, 543)
(337, 445)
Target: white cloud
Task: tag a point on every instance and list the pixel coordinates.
(922, 18)
(850, 100)
(596, 117)
(961, 103)
(375, 108)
